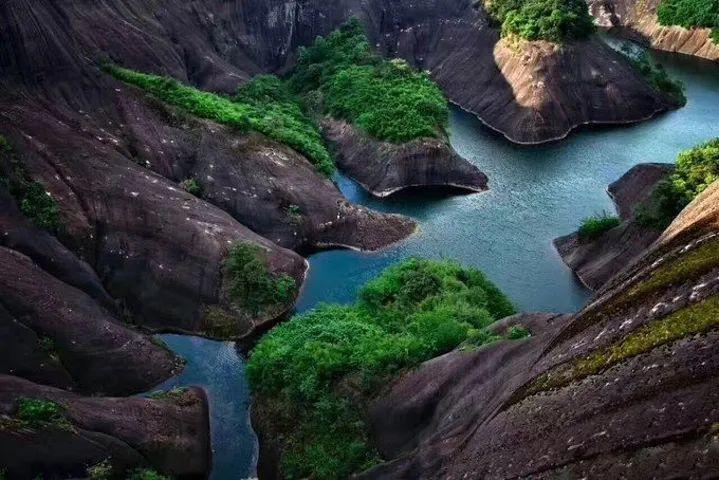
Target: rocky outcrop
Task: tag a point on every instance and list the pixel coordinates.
(627, 388)
(596, 261)
(67, 340)
(169, 434)
(384, 168)
(532, 93)
(264, 185)
(638, 21)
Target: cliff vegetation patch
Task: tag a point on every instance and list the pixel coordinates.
(594, 227)
(251, 285)
(695, 170)
(341, 76)
(313, 374)
(691, 14)
(555, 21)
(32, 198)
(263, 105)
(655, 74)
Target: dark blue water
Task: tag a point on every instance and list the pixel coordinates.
(537, 194)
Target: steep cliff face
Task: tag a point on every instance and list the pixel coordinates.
(169, 434)
(525, 94)
(627, 388)
(638, 21)
(596, 261)
(384, 168)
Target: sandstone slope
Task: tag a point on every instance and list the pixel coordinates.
(384, 168)
(596, 261)
(638, 21)
(169, 434)
(627, 388)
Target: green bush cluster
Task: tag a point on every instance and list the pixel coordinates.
(36, 412)
(518, 332)
(691, 14)
(192, 186)
(316, 367)
(593, 227)
(34, 202)
(251, 285)
(655, 74)
(696, 169)
(387, 99)
(255, 107)
(552, 20)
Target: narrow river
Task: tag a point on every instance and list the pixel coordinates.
(537, 194)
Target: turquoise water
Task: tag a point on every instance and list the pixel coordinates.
(537, 194)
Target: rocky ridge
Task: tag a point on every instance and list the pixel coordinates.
(595, 262)
(638, 21)
(637, 365)
(384, 168)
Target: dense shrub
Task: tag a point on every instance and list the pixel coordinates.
(34, 202)
(251, 285)
(593, 227)
(36, 412)
(258, 106)
(691, 14)
(655, 74)
(518, 332)
(192, 186)
(696, 169)
(306, 367)
(388, 99)
(552, 20)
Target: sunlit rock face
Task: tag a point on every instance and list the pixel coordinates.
(638, 21)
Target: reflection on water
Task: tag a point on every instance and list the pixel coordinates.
(537, 194)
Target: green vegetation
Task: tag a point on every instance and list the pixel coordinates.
(145, 474)
(251, 285)
(34, 202)
(552, 20)
(691, 14)
(261, 106)
(342, 76)
(594, 227)
(100, 471)
(37, 412)
(689, 266)
(314, 372)
(696, 169)
(655, 74)
(172, 394)
(192, 186)
(698, 318)
(518, 332)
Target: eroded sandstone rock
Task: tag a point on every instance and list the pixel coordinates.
(597, 261)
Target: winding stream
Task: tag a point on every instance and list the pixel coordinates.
(537, 194)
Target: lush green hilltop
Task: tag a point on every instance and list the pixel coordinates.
(312, 374)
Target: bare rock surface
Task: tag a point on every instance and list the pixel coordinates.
(638, 21)
(81, 339)
(170, 434)
(597, 261)
(604, 394)
(264, 185)
(384, 168)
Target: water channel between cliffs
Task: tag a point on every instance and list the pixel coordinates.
(537, 194)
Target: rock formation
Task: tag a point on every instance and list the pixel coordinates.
(170, 434)
(638, 21)
(596, 261)
(627, 388)
(384, 168)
